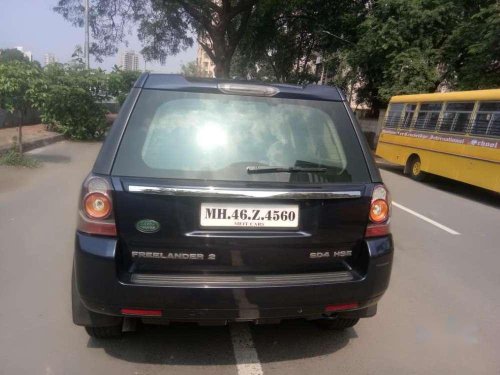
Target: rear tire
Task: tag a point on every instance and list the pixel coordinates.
(414, 168)
(112, 332)
(336, 323)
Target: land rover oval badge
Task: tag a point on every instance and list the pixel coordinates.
(147, 226)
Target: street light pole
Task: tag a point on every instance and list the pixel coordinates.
(86, 26)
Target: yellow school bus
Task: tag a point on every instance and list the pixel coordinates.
(454, 135)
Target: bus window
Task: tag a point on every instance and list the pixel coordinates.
(456, 117)
(487, 119)
(394, 115)
(428, 116)
(409, 111)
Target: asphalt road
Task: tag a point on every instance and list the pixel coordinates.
(440, 314)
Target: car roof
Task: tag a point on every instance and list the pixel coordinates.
(177, 82)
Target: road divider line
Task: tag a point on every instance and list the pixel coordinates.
(425, 218)
(247, 360)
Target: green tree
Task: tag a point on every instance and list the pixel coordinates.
(337, 71)
(70, 100)
(77, 57)
(120, 82)
(166, 27)
(409, 47)
(18, 81)
(286, 37)
(12, 54)
(190, 69)
(473, 49)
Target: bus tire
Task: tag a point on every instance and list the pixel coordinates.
(414, 168)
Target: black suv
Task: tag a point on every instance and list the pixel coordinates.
(215, 201)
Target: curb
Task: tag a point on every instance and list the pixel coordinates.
(28, 146)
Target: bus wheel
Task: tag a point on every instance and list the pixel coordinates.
(414, 168)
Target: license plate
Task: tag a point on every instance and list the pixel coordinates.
(249, 215)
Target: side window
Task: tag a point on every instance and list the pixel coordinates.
(394, 115)
(427, 116)
(487, 120)
(408, 116)
(456, 117)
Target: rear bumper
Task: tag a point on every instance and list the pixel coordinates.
(103, 290)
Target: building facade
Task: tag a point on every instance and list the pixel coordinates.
(129, 60)
(49, 58)
(206, 67)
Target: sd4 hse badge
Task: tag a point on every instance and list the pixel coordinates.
(330, 254)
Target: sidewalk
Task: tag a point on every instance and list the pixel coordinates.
(33, 136)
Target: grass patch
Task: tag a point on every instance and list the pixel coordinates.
(14, 158)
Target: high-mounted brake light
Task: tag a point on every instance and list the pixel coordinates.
(96, 208)
(379, 216)
(247, 89)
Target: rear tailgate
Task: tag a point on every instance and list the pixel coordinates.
(329, 228)
(185, 181)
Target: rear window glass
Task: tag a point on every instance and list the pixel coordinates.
(216, 137)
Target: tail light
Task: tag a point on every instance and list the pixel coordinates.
(95, 215)
(380, 212)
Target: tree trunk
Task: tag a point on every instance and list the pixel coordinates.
(20, 134)
(222, 69)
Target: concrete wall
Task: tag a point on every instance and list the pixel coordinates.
(371, 127)
(8, 120)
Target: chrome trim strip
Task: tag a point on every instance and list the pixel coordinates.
(211, 192)
(247, 234)
(224, 281)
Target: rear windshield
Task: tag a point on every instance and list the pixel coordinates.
(217, 137)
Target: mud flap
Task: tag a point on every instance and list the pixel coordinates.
(84, 317)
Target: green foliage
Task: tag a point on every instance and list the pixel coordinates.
(339, 72)
(70, 98)
(12, 54)
(17, 82)
(473, 49)
(190, 69)
(120, 82)
(77, 57)
(15, 158)
(285, 37)
(409, 47)
(380, 47)
(411, 71)
(165, 27)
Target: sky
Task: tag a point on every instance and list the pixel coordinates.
(33, 25)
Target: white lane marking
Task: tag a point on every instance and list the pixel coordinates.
(247, 361)
(425, 218)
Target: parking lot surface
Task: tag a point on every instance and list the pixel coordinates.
(438, 316)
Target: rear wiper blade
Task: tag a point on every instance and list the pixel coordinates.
(264, 169)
